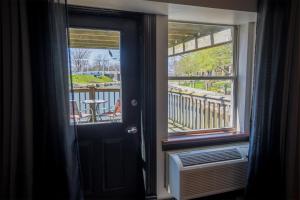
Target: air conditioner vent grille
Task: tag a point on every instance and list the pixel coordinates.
(190, 159)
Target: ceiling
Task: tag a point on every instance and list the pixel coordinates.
(178, 32)
(176, 11)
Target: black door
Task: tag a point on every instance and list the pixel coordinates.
(106, 85)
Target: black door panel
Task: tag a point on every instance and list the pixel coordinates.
(109, 153)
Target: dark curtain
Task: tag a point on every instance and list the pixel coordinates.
(274, 142)
(148, 139)
(38, 147)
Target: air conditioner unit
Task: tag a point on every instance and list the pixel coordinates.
(200, 173)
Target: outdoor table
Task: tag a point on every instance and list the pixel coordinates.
(93, 103)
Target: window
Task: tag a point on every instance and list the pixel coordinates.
(96, 76)
(202, 77)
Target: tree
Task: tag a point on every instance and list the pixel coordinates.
(185, 66)
(79, 58)
(205, 61)
(115, 67)
(101, 62)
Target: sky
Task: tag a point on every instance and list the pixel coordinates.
(105, 52)
(116, 58)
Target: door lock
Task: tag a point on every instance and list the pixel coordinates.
(134, 102)
(132, 130)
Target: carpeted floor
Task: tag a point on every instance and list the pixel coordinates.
(237, 195)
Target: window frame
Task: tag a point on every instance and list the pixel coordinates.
(233, 78)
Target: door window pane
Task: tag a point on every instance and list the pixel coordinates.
(96, 76)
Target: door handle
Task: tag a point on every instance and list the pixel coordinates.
(132, 130)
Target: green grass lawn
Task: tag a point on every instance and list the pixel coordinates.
(215, 86)
(197, 85)
(89, 79)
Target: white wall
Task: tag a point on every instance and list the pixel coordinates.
(245, 44)
(245, 67)
(209, 15)
(161, 99)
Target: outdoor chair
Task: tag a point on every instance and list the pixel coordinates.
(113, 113)
(77, 115)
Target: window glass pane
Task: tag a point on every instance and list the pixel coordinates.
(96, 76)
(204, 41)
(190, 45)
(179, 48)
(170, 51)
(199, 104)
(222, 36)
(215, 61)
(203, 102)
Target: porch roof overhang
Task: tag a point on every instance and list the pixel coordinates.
(180, 33)
(94, 39)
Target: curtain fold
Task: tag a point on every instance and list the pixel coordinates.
(16, 156)
(148, 139)
(274, 141)
(38, 146)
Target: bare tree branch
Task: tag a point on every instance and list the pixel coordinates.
(80, 58)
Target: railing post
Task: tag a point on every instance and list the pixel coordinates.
(92, 95)
(219, 115)
(174, 107)
(193, 112)
(224, 111)
(204, 113)
(197, 112)
(180, 109)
